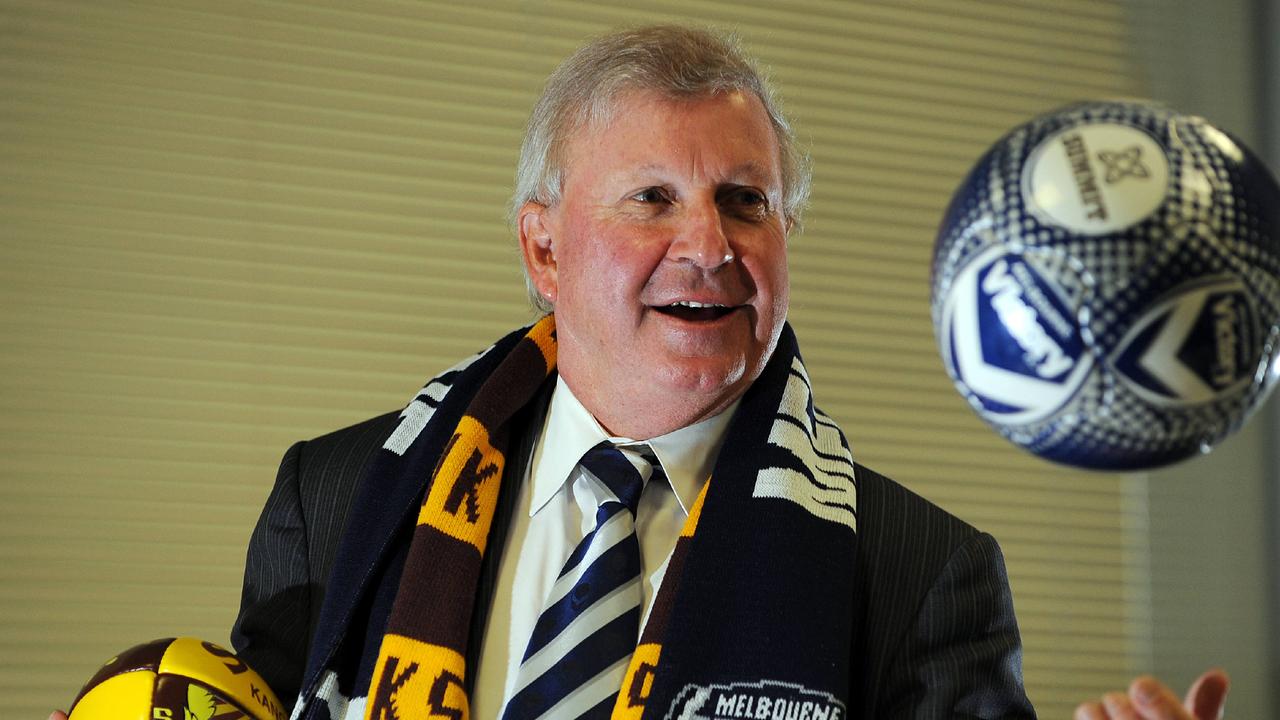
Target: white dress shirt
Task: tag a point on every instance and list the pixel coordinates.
(556, 508)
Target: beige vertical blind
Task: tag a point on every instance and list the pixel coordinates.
(231, 225)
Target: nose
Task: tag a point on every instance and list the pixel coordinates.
(701, 239)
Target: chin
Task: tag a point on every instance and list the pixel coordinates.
(704, 375)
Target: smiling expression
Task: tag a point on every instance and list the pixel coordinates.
(665, 258)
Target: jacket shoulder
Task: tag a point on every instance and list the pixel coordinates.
(356, 441)
(338, 459)
(904, 544)
(929, 580)
(893, 519)
(330, 468)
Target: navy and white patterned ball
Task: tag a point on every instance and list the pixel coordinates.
(1106, 285)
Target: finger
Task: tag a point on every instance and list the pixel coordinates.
(1090, 711)
(1208, 695)
(1118, 707)
(57, 715)
(1154, 701)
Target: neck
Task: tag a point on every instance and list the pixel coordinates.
(650, 417)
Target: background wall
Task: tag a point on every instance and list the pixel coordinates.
(1211, 519)
(229, 226)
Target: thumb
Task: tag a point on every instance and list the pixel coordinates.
(1208, 695)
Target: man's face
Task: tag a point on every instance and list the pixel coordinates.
(665, 259)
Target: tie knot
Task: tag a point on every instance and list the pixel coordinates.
(623, 471)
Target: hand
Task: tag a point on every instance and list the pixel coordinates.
(1148, 699)
(57, 715)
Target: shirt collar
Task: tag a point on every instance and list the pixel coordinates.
(569, 431)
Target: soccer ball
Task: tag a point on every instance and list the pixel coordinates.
(176, 679)
(1106, 285)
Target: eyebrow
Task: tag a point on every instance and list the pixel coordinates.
(749, 169)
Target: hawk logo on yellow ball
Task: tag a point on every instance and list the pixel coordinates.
(204, 705)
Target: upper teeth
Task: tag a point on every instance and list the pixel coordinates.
(692, 304)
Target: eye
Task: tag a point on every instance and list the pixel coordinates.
(746, 201)
(651, 195)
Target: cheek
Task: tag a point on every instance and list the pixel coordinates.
(782, 292)
(778, 303)
(774, 314)
(621, 264)
(603, 272)
(771, 275)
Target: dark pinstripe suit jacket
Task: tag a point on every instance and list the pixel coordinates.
(936, 635)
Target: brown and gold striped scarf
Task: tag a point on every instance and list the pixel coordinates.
(421, 665)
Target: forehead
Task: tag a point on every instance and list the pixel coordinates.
(649, 131)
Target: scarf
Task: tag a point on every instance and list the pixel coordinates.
(752, 618)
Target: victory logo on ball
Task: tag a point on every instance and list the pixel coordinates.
(1012, 341)
(1193, 347)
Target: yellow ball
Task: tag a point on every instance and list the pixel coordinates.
(176, 679)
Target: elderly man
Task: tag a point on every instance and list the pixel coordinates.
(632, 508)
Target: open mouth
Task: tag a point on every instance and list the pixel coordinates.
(695, 311)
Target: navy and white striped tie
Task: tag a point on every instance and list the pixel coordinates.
(580, 646)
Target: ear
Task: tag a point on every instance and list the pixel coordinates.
(538, 248)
